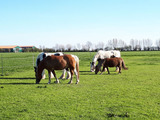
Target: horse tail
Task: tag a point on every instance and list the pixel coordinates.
(77, 66)
(123, 65)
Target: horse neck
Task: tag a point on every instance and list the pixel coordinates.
(40, 68)
(94, 60)
(100, 63)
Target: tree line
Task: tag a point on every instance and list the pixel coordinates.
(114, 44)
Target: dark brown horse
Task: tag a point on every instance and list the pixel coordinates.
(110, 62)
(53, 62)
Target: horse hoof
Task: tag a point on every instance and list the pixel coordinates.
(68, 78)
(56, 82)
(69, 82)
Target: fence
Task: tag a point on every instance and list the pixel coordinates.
(10, 63)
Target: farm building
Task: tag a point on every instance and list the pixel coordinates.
(15, 48)
(10, 49)
(27, 47)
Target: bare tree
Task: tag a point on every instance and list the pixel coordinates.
(84, 47)
(121, 44)
(61, 48)
(115, 43)
(158, 44)
(78, 46)
(132, 43)
(88, 45)
(147, 43)
(100, 45)
(56, 47)
(136, 44)
(68, 47)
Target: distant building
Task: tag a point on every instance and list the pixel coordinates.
(10, 49)
(15, 48)
(28, 47)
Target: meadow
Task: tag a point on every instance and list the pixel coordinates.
(133, 94)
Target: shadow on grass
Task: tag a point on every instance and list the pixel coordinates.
(17, 78)
(22, 81)
(17, 83)
(86, 73)
(20, 78)
(93, 73)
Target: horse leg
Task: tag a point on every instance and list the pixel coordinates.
(43, 74)
(57, 81)
(120, 68)
(63, 74)
(49, 75)
(52, 76)
(117, 69)
(102, 70)
(68, 74)
(76, 73)
(108, 70)
(71, 70)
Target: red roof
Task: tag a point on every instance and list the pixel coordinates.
(25, 46)
(7, 47)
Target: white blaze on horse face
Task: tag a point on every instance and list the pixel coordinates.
(92, 66)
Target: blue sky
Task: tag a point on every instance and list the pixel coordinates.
(51, 22)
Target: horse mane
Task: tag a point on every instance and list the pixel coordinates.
(44, 55)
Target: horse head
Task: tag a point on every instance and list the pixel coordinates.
(38, 76)
(96, 69)
(92, 66)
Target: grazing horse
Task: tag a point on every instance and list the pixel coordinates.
(110, 62)
(103, 54)
(52, 63)
(43, 55)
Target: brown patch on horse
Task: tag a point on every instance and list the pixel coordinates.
(53, 62)
(111, 62)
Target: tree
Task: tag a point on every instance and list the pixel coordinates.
(61, 48)
(158, 44)
(136, 44)
(78, 46)
(100, 45)
(88, 45)
(147, 43)
(68, 47)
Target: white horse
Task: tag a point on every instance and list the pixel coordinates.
(103, 54)
(42, 55)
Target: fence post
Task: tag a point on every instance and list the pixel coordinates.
(2, 64)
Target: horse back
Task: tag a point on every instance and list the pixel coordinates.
(113, 62)
(71, 62)
(55, 62)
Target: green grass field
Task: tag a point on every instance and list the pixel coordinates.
(134, 94)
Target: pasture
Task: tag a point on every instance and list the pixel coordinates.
(133, 94)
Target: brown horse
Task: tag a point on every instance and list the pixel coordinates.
(53, 62)
(110, 62)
